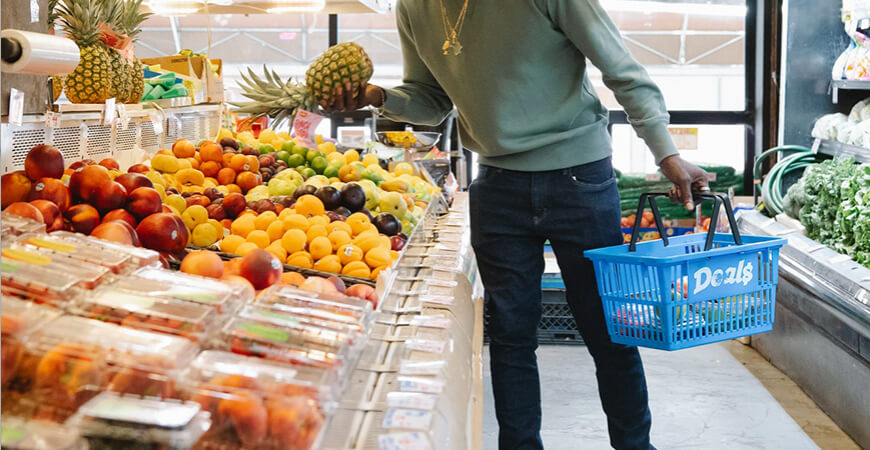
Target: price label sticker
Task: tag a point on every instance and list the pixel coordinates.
(52, 119)
(304, 125)
(109, 112)
(16, 107)
(438, 299)
(411, 400)
(34, 11)
(439, 321)
(404, 441)
(407, 419)
(408, 367)
(419, 384)
(426, 345)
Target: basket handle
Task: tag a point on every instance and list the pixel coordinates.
(718, 200)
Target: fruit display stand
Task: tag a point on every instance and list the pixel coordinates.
(822, 335)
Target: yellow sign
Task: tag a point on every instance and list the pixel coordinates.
(684, 138)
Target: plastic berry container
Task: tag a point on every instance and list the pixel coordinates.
(338, 308)
(256, 403)
(118, 258)
(19, 320)
(225, 298)
(13, 225)
(21, 434)
(290, 317)
(43, 266)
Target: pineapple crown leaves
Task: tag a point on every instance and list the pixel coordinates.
(273, 97)
(77, 19)
(52, 13)
(132, 18)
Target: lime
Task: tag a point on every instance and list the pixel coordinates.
(331, 170)
(308, 172)
(299, 150)
(319, 164)
(295, 160)
(311, 154)
(283, 155)
(266, 148)
(301, 167)
(289, 146)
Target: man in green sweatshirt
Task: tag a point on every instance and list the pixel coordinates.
(516, 73)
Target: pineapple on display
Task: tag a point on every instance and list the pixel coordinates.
(342, 64)
(131, 21)
(91, 81)
(121, 83)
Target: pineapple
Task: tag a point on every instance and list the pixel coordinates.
(345, 63)
(91, 81)
(56, 80)
(121, 82)
(131, 21)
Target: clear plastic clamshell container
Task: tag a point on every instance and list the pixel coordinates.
(118, 258)
(19, 320)
(259, 404)
(43, 274)
(225, 298)
(350, 332)
(20, 434)
(113, 421)
(332, 307)
(13, 225)
(68, 363)
(161, 315)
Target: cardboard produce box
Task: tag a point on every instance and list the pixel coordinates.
(195, 67)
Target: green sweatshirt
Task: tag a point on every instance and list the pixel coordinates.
(520, 85)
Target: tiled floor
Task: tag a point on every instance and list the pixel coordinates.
(711, 397)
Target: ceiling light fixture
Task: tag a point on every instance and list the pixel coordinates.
(293, 7)
(674, 8)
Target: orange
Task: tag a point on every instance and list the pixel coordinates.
(377, 271)
(230, 243)
(164, 152)
(377, 257)
(357, 269)
(239, 163)
(309, 205)
(234, 188)
(320, 247)
(339, 225)
(275, 230)
(210, 168)
(254, 163)
(226, 158)
(211, 152)
(194, 164)
(246, 248)
(295, 222)
(293, 240)
(248, 180)
(264, 220)
(182, 148)
(300, 259)
(243, 226)
(277, 250)
(316, 231)
(349, 253)
(339, 238)
(259, 237)
(292, 278)
(319, 220)
(226, 176)
(358, 222)
(329, 263)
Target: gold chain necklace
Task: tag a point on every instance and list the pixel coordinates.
(451, 44)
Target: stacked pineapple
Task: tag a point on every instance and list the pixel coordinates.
(103, 72)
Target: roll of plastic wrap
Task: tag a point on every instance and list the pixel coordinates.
(41, 54)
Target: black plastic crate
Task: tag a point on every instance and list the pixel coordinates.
(557, 324)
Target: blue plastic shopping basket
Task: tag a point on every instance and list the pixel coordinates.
(689, 290)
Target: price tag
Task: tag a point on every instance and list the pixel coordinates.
(16, 107)
(123, 116)
(34, 11)
(109, 113)
(404, 441)
(426, 345)
(653, 177)
(304, 125)
(417, 384)
(442, 283)
(411, 400)
(408, 419)
(431, 321)
(438, 299)
(52, 119)
(156, 122)
(408, 367)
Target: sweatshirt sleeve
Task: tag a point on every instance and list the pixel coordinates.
(591, 30)
(420, 99)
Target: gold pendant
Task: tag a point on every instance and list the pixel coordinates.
(446, 47)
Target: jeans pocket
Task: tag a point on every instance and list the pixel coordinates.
(593, 177)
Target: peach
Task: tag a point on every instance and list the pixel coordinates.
(236, 280)
(50, 211)
(362, 291)
(82, 218)
(15, 187)
(57, 225)
(83, 182)
(162, 232)
(120, 214)
(232, 267)
(25, 210)
(247, 414)
(110, 164)
(203, 263)
(108, 196)
(116, 231)
(138, 168)
(182, 148)
(81, 164)
(261, 268)
(234, 204)
(53, 190)
(43, 161)
(143, 202)
(133, 181)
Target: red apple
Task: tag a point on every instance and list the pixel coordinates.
(50, 211)
(83, 182)
(143, 202)
(109, 196)
(53, 190)
(43, 161)
(82, 218)
(25, 210)
(133, 181)
(138, 168)
(163, 232)
(397, 243)
(120, 214)
(81, 164)
(15, 187)
(116, 231)
(261, 268)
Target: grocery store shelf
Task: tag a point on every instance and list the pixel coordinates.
(834, 148)
(847, 85)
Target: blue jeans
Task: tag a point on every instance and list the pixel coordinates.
(512, 215)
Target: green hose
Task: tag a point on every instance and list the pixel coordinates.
(771, 188)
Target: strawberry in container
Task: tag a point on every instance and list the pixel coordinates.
(259, 404)
(224, 297)
(118, 258)
(161, 315)
(68, 363)
(333, 307)
(19, 320)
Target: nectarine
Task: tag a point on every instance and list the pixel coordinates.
(234, 204)
(203, 263)
(84, 181)
(49, 210)
(53, 190)
(15, 187)
(25, 210)
(138, 168)
(81, 164)
(108, 196)
(162, 232)
(115, 231)
(143, 202)
(133, 181)
(43, 161)
(110, 164)
(82, 218)
(261, 268)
